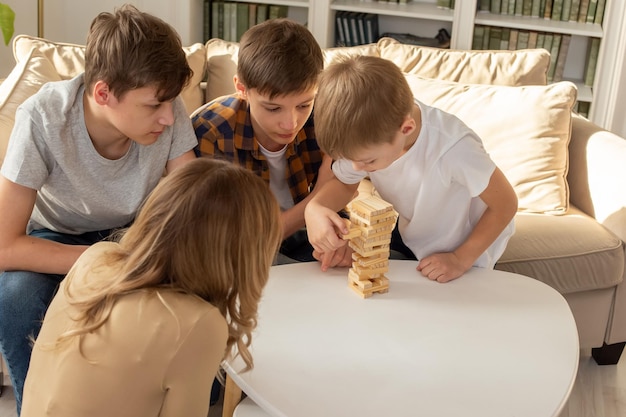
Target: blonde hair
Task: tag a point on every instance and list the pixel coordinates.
(361, 101)
(211, 229)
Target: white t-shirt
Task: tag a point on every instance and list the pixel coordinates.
(278, 176)
(435, 187)
(78, 189)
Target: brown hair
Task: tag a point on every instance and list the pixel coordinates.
(361, 101)
(279, 57)
(210, 228)
(129, 49)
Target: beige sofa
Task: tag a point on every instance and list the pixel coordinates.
(572, 188)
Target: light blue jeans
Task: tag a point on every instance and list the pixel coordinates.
(24, 299)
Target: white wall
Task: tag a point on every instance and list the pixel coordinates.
(69, 20)
(25, 22)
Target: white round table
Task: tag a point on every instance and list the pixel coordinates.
(490, 343)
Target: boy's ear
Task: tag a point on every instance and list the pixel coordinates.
(101, 92)
(408, 126)
(239, 87)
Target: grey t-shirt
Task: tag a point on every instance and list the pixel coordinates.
(78, 189)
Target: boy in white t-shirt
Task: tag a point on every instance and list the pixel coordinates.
(455, 206)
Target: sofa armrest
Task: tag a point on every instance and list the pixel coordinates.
(597, 174)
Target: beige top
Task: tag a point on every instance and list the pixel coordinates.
(156, 355)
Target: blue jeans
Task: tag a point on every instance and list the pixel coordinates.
(24, 299)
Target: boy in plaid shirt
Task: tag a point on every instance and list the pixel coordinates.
(267, 125)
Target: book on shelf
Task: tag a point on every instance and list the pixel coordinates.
(217, 19)
(233, 22)
(582, 11)
(340, 38)
(519, 7)
(261, 13)
(484, 5)
(345, 22)
(557, 8)
(243, 14)
(360, 23)
(554, 54)
(486, 35)
(227, 13)
(560, 61)
(593, 50)
(206, 20)
(547, 11)
(496, 6)
(591, 12)
(547, 42)
(522, 39)
(371, 27)
(504, 7)
(532, 39)
(444, 4)
(504, 41)
(354, 29)
(535, 8)
(495, 35)
(477, 40)
(599, 12)
(511, 9)
(276, 11)
(527, 7)
(513, 39)
(567, 7)
(540, 39)
(573, 13)
(252, 14)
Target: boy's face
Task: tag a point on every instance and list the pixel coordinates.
(139, 115)
(377, 157)
(276, 121)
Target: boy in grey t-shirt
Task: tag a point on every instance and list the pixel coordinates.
(83, 155)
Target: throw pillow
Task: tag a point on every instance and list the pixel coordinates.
(521, 67)
(26, 78)
(221, 66)
(525, 129)
(69, 61)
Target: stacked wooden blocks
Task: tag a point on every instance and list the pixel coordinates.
(371, 222)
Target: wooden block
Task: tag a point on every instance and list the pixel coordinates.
(353, 276)
(366, 252)
(379, 285)
(374, 261)
(371, 271)
(353, 230)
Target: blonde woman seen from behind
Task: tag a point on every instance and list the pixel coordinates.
(139, 327)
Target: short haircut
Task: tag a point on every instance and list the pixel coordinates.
(129, 49)
(279, 57)
(361, 101)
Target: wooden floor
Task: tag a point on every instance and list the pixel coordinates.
(599, 391)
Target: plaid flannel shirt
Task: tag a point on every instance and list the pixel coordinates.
(224, 130)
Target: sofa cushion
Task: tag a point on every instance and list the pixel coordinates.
(221, 63)
(221, 66)
(571, 253)
(69, 60)
(525, 129)
(521, 67)
(26, 78)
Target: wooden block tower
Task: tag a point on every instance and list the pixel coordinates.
(371, 222)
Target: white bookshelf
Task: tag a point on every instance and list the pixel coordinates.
(421, 17)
